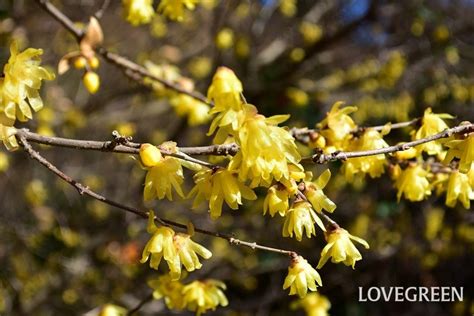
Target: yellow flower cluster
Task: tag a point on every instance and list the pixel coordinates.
(301, 277)
(431, 124)
(337, 127)
(20, 84)
(217, 186)
(138, 11)
(413, 183)
(176, 248)
(174, 9)
(163, 173)
(340, 248)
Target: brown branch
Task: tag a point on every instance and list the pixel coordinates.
(115, 59)
(321, 158)
(84, 190)
(140, 305)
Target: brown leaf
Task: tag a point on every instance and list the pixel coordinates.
(93, 38)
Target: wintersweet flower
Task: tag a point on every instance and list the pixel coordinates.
(171, 291)
(112, 310)
(266, 150)
(196, 112)
(217, 186)
(187, 251)
(7, 136)
(337, 125)
(463, 149)
(314, 193)
(340, 248)
(276, 201)
(163, 173)
(174, 9)
(413, 183)
(313, 304)
(373, 165)
(460, 189)
(431, 124)
(201, 296)
(20, 85)
(299, 218)
(301, 277)
(160, 246)
(138, 11)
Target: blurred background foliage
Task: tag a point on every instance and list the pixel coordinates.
(61, 254)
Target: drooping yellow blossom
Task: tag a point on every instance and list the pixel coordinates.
(177, 249)
(314, 193)
(311, 32)
(463, 149)
(460, 189)
(174, 9)
(187, 251)
(276, 201)
(171, 291)
(266, 150)
(225, 91)
(22, 77)
(160, 246)
(217, 186)
(7, 136)
(301, 277)
(138, 11)
(373, 165)
(301, 217)
(163, 173)
(288, 7)
(313, 304)
(431, 124)
(413, 183)
(225, 39)
(112, 310)
(340, 248)
(337, 125)
(201, 296)
(196, 111)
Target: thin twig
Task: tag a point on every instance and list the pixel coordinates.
(321, 158)
(102, 9)
(82, 189)
(140, 305)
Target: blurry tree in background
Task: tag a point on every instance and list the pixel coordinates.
(179, 74)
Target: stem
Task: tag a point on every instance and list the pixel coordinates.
(140, 305)
(82, 189)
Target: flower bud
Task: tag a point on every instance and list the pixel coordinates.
(150, 155)
(80, 62)
(91, 81)
(94, 62)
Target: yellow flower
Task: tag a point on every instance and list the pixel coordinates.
(301, 217)
(311, 32)
(185, 105)
(112, 310)
(301, 277)
(431, 124)
(460, 189)
(7, 136)
(413, 183)
(138, 11)
(171, 291)
(225, 39)
(176, 249)
(314, 193)
(91, 81)
(174, 9)
(373, 165)
(201, 296)
(297, 96)
(266, 150)
(218, 186)
(337, 125)
(160, 246)
(313, 304)
(20, 84)
(163, 173)
(166, 72)
(288, 7)
(463, 149)
(276, 200)
(340, 248)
